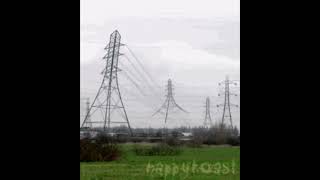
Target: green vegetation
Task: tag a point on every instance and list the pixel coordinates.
(161, 149)
(207, 162)
(101, 149)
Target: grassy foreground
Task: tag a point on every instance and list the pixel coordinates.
(217, 163)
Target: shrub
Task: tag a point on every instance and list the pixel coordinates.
(137, 139)
(154, 140)
(199, 137)
(157, 150)
(234, 141)
(216, 135)
(194, 143)
(172, 141)
(122, 139)
(101, 149)
(220, 138)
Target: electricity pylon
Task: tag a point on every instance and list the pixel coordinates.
(207, 119)
(169, 103)
(87, 110)
(108, 99)
(226, 115)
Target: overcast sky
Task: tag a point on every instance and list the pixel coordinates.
(195, 43)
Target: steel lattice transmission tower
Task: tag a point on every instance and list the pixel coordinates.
(226, 115)
(108, 99)
(87, 114)
(169, 103)
(207, 119)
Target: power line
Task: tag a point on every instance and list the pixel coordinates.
(134, 83)
(142, 67)
(142, 76)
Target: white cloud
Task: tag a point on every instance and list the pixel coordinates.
(98, 11)
(90, 52)
(184, 53)
(182, 61)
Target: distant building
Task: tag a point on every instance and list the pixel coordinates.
(186, 134)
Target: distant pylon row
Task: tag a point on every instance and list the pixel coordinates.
(226, 114)
(170, 104)
(108, 107)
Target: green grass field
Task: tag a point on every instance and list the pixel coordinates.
(214, 163)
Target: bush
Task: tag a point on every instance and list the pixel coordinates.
(234, 141)
(122, 139)
(172, 141)
(154, 140)
(137, 139)
(158, 150)
(194, 143)
(220, 138)
(101, 149)
(199, 137)
(216, 135)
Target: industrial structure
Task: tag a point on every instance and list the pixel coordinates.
(226, 115)
(207, 120)
(169, 103)
(107, 108)
(107, 112)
